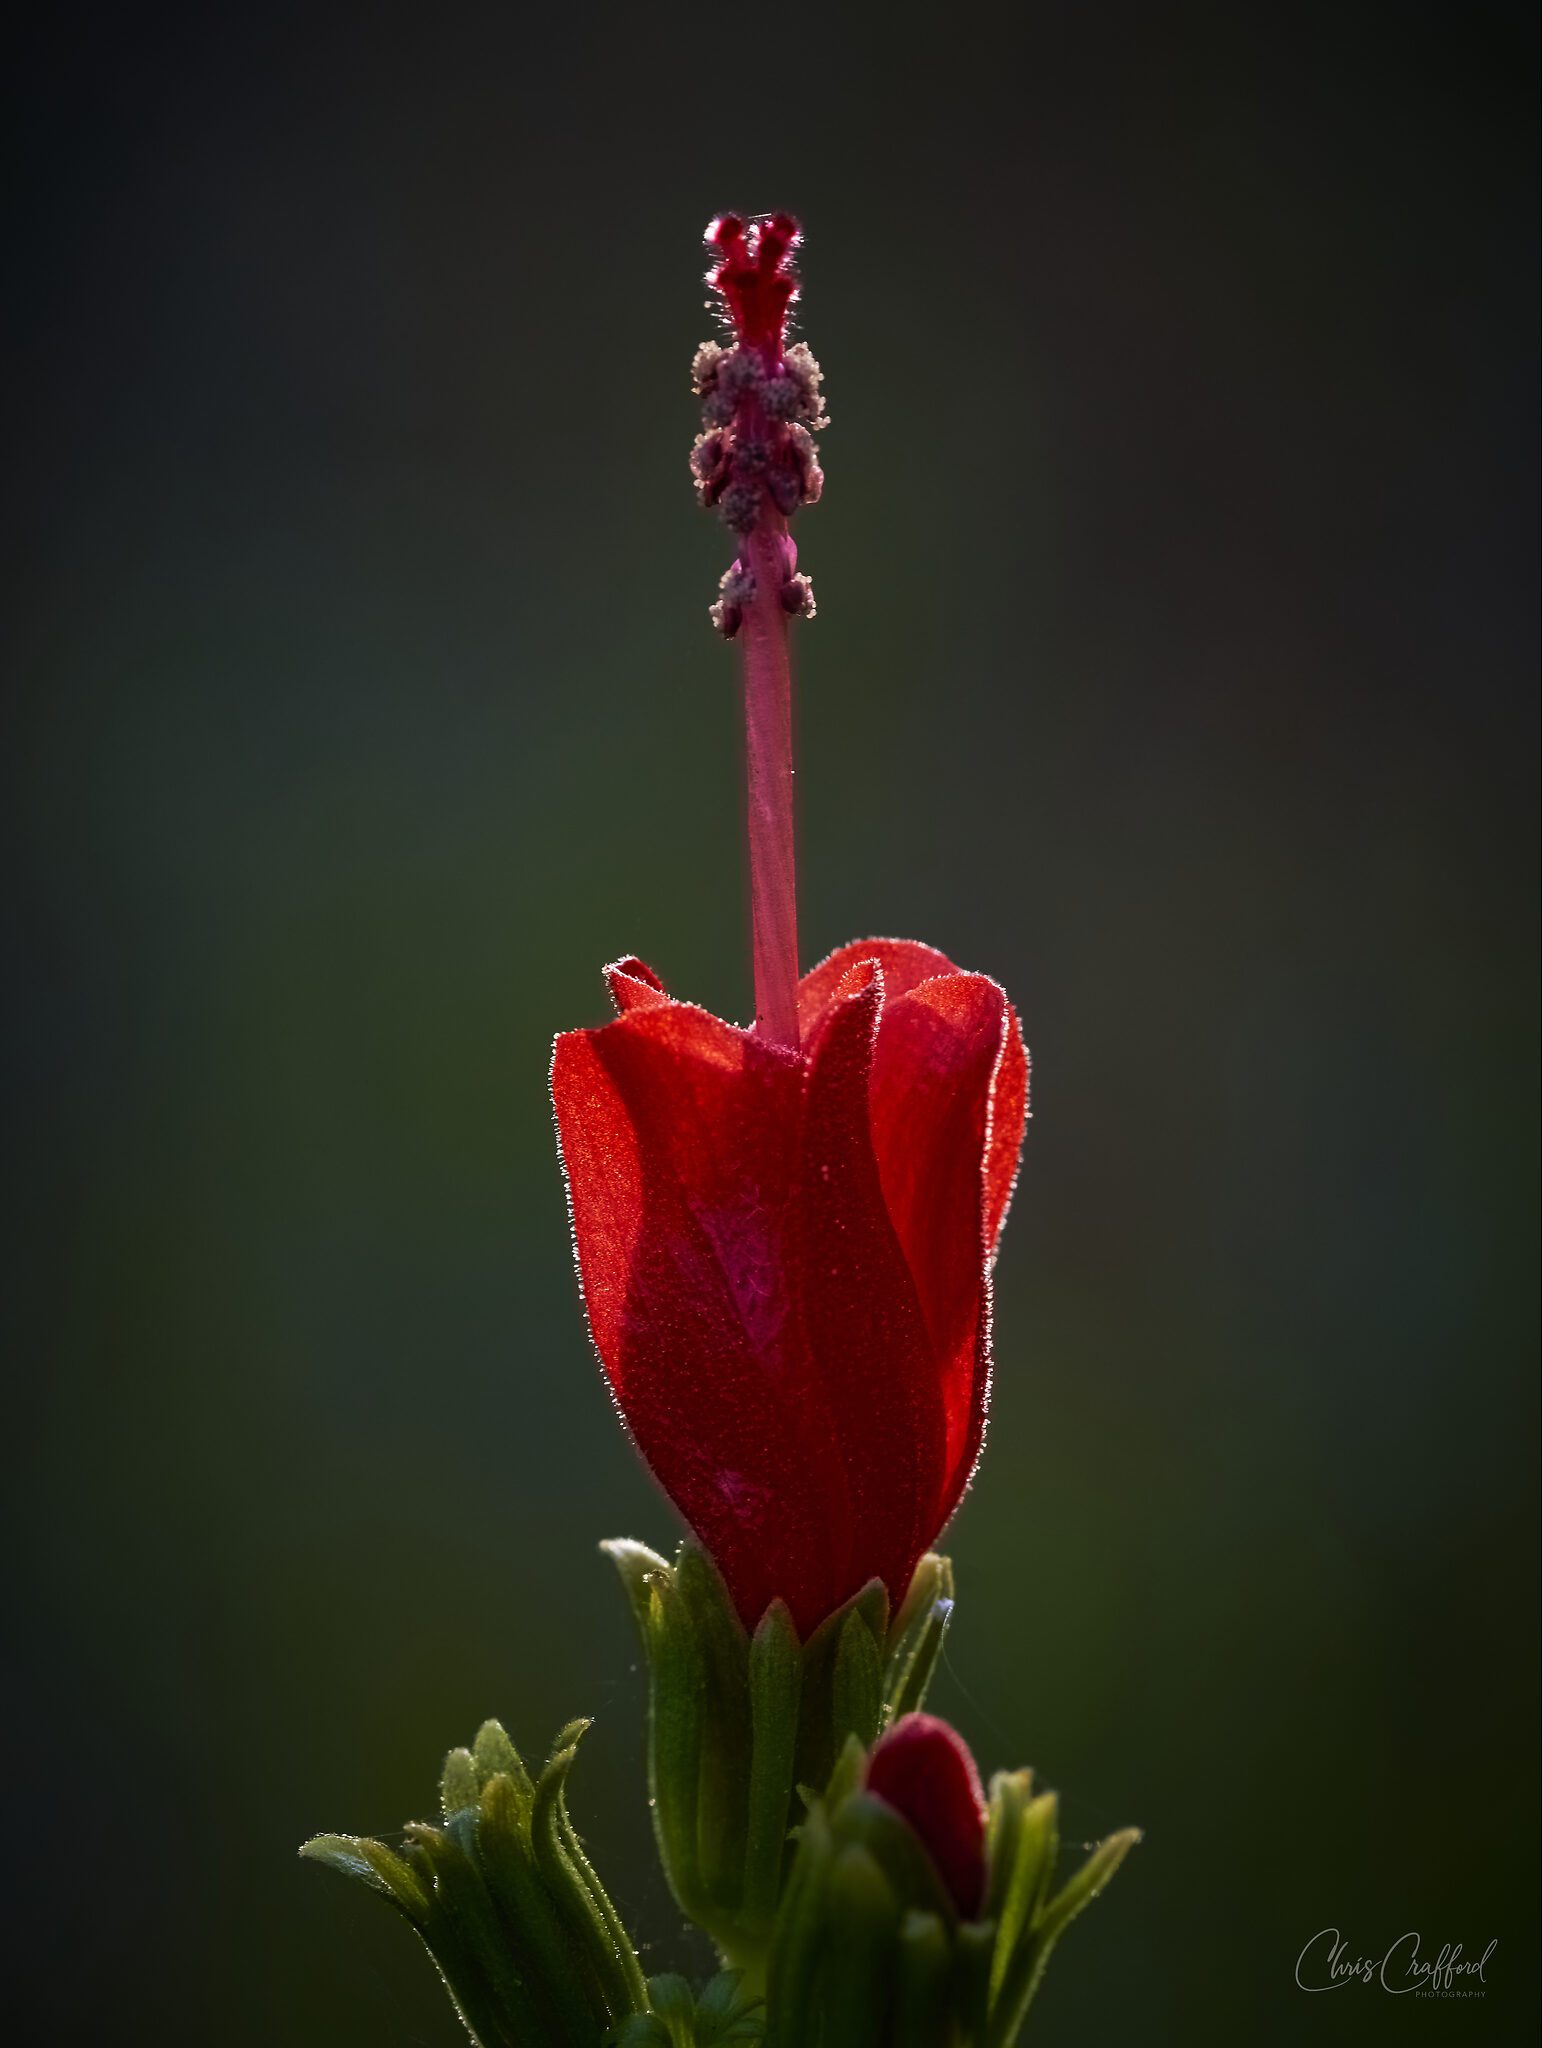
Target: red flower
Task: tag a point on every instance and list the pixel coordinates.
(785, 1257)
(923, 1769)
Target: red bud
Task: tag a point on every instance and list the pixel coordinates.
(923, 1769)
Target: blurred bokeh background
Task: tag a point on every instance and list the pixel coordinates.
(1175, 663)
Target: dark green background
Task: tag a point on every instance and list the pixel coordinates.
(1175, 664)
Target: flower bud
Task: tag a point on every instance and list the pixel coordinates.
(913, 1917)
(505, 1899)
(924, 1771)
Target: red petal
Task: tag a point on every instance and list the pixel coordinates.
(680, 1140)
(905, 963)
(1008, 1121)
(633, 985)
(785, 1261)
(949, 1105)
(924, 1770)
(862, 1320)
(938, 1054)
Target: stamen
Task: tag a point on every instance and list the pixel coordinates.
(756, 464)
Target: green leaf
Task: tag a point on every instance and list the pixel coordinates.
(671, 1998)
(720, 1998)
(714, 2016)
(641, 2030)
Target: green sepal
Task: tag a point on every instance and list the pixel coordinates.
(792, 1978)
(1031, 1958)
(591, 1921)
(846, 1778)
(460, 1783)
(1013, 1987)
(922, 1981)
(822, 1728)
(916, 1638)
(402, 1883)
(549, 1958)
(1023, 1841)
(738, 1720)
(973, 1953)
(858, 1970)
(857, 1686)
(495, 2003)
(495, 1756)
(872, 1824)
(723, 1763)
(373, 1864)
(775, 1678)
(677, 1688)
(1078, 1894)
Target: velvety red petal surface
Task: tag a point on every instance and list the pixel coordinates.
(633, 985)
(905, 962)
(784, 1259)
(747, 1294)
(938, 1053)
(862, 1317)
(950, 1101)
(680, 1141)
(923, 1769)
(1009, 1119)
